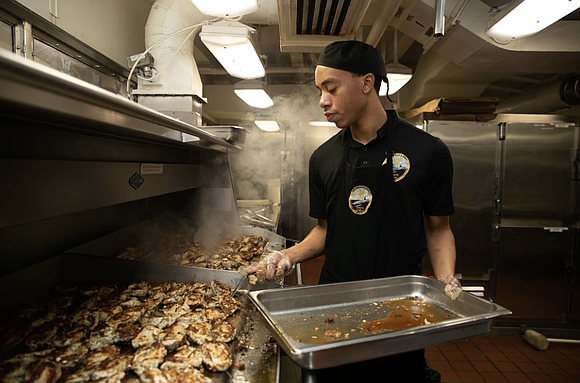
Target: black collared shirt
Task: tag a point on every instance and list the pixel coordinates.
(426, 189)
(371, 154)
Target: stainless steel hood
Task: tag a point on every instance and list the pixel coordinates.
(28, 86)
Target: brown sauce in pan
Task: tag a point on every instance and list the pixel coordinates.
(407, 312)
(359, 320)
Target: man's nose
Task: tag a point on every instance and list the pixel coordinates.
(323, 101)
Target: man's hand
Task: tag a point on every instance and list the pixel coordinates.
(272, 267)
(452, 286)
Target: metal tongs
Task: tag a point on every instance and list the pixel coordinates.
(245, 278)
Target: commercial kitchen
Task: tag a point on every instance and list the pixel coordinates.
(138, 183)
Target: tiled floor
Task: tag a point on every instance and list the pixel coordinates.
(504, 359)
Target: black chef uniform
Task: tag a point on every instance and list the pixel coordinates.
(374, 197)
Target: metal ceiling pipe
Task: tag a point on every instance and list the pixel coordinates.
(439, 18)
(545, 99)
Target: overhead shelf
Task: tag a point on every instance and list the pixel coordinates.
(32, 91)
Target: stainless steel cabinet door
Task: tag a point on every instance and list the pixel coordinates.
(537, 186)
(531, 273)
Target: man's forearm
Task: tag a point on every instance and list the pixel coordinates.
(312, 246)
(441, 247)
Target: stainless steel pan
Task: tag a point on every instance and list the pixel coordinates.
(300, 310)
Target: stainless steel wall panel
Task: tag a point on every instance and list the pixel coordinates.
(472, 146)
(41, 189)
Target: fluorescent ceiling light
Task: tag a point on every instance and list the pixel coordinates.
(267, 126)
(321, 123)
(226, 8)
(230, 43)
(526, 17)
(398, 75)
(253, 94)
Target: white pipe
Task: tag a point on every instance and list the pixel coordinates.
(181, 76)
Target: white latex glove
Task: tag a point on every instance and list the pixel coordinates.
(272, 267)
(452, 286)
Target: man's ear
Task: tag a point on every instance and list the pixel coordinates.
(368, 83)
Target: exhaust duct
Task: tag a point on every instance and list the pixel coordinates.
(545, 99)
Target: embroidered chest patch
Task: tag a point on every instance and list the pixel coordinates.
(360, 199)
(401, 166)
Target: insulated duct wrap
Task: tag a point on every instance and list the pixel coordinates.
(181, 75)
(545, 99)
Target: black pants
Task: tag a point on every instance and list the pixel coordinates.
(408, 367)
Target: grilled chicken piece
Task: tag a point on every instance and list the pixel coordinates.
(89, 291)
(223, 331)
(219, 288)
(175, 310)
(130, 377)
(131, 302)
(146, 337)
(154, 375)
(191, 317)
(172, 299)
(199, 332)
(173, 337)
(70, 355)
(214, 314)
(87, 317)
(177, 289)
(229, 304)
(126, 332)
(102, 337)
(130, 315)
(138, 289)
(13, 371)
(210, 302)
(95, 358)
(188, 375)
(43, 371)
(112, 366)
(107, 290)
(194, 300)
(79, 376)
(14, 336)
(216, 356)
(202, 288)
(148, 357)
(67, 336)
(157, 318)
(41, 336)
(115, 378)
(184, 357)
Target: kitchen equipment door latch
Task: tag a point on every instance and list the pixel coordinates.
(501, 128)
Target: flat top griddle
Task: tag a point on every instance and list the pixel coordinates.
(257, 362)
(298, 317)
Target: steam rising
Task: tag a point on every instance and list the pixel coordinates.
(271, 155)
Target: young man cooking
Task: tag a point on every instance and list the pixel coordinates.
(381, 191)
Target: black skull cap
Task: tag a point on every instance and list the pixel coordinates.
(353, 56)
